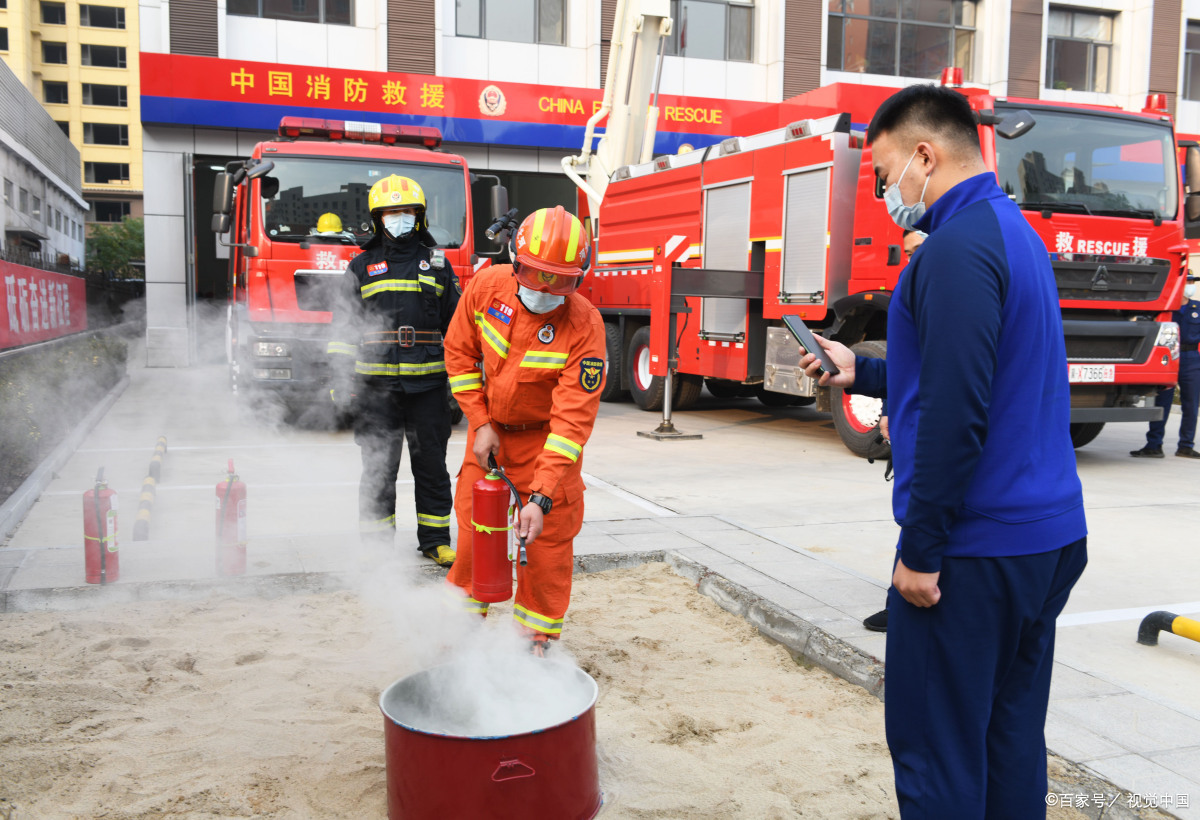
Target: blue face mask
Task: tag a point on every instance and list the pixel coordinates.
(904, 215)
(538, 301)
(399, 225)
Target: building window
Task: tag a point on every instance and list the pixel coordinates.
(64, 126)
(517, 21)
(712, 30)
(24, 201)
(340, 12)
(904, 38)
(97, 94)
(54, 14)
(1191, 62)
(58, 221)
(109, 211)
(102, 172)
(37, 207)
(8, 192)
(101, 16)
(54, 53)
(3, 39)
(1078, 50)
(54, 92)
(100, 133)
(103, 56)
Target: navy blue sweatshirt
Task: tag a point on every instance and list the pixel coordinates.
(976, 383)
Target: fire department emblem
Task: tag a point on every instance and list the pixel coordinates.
(546, 334)
(492, 101)
(591, 374)
(423, 265)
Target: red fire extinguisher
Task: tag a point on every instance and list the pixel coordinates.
(100, 557)
(231, 525)
(495, 505)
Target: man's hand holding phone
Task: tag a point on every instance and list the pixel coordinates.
(841, 355)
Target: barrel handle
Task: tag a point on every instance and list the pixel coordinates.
(521, 768)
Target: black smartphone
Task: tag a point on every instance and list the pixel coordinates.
(807, 341)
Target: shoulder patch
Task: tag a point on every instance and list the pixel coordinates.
(377, 268)
(591, 373)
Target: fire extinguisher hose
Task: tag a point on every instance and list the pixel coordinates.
(100, 526)
(225, 498)
(499, 471)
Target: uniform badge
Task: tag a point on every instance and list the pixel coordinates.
(546, 334)
(376, 269)
(591, 374)
(457, 285)
(501, 311)
(423, 265)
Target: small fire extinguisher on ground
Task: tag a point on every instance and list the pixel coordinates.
(495, 505)
(100, 556)
(231, 525)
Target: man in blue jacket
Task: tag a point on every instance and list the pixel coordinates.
(1188, 319)
(990, 508)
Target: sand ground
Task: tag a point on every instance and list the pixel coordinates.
(268, 708)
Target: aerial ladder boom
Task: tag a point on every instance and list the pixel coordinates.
(640, 28)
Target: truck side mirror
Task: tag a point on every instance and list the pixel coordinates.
(269, 187)
(499, 200)
(261, 168)
(249, 250)
(223, 193)
(1191, 205)
(220, 223)
(1015, 124)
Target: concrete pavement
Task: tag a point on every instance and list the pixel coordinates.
(768, 513)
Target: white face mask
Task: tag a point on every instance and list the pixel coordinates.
(904, 215)
(399, 225)
(538, 301)
(1189, 291)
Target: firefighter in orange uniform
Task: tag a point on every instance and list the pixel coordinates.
(532, 404)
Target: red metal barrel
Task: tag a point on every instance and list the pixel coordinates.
(548, 772)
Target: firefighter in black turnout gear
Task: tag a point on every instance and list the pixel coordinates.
(395, 303)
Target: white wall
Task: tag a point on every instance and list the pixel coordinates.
(1187, 112)
(24, 170)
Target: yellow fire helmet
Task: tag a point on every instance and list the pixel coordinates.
(395, 192)
(329, 223)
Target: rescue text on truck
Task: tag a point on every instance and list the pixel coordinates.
(296, 213)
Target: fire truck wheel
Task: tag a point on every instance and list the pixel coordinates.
(1085, 432)
(647, 390)
(615, 353)
(856, 418)
(770, 398)
(727, 389)
(687, 390)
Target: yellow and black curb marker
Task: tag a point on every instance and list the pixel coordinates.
(1162, 621)
(141, 525)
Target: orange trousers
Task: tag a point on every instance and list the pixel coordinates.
(544, 584)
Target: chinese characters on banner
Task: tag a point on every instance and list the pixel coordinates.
(39, 305)
(318, 86)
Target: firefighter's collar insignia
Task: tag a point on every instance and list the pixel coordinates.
(546, 334)
(376, 269)
(591, 374)
(423, 265)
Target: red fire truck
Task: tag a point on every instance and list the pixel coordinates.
(792, 221)
(285, 260)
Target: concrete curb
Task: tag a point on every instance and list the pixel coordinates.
(800, 637)
(19, 503)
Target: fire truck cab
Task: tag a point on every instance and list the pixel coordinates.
(296, 212)
(792, 221)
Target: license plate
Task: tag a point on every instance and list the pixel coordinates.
(1082, 373)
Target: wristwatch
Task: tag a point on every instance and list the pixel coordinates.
(542, 501)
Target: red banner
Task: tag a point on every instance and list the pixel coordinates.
(241, 93)
(39, 305)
